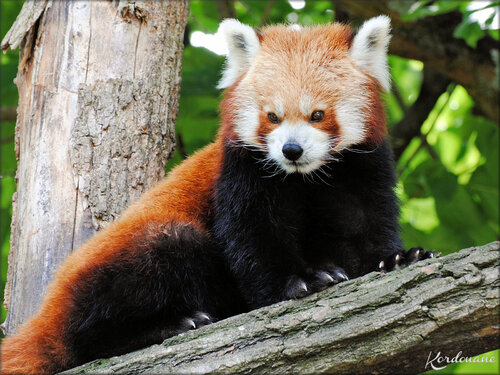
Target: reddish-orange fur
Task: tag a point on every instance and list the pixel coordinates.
(329, 124)
(265, 126)
(228, 109)
(182, 197)
(376, 115)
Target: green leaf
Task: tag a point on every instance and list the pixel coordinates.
(470, 31)
(495, 34)
(420, 213)
(410, 11)
(407, 77)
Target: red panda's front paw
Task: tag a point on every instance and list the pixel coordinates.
(296, 288)
(199, 319)
(315, 281)
(403, 259)
(322, 279)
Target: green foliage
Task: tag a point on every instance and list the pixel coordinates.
(258, 13)
(407, 86)
(448, 176)
(7, 188)
(477, 16)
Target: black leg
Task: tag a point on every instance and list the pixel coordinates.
(171, 282)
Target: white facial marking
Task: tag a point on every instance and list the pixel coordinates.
(280, 110)
(246, 123)
(314, 142)
(351, 121)
(305, 105)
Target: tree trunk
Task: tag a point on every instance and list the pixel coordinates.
(379, 323)
(98, 92)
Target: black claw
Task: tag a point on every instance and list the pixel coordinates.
(187, 324)
(404, 258)
(415, 254)
(340, 275)
(202, 319)
(323, 279)
(326, 277)
(320, 280)
(381, 266)
(199, 319)
(296, 288)
(314, 281)
(418, 253)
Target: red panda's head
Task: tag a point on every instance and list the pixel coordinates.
(304, 94)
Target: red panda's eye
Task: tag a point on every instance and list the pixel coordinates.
(273, 118)
(317, 116)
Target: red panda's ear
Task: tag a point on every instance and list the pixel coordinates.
(369, 49)
(242, 45)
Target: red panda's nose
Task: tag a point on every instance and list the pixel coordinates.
(292, 151)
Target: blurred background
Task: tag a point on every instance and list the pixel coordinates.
(442, 111)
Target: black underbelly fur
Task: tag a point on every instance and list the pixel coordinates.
(271, 228)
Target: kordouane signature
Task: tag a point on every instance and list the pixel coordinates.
(439, 362)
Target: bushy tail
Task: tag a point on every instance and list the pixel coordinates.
(34, 349)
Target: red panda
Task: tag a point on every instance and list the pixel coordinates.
(295, 194)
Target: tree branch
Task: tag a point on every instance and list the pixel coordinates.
(384, 323)
(431, 41)
(29, 15)
(225, 8)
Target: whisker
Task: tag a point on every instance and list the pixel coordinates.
(316, 174)
(327, 175)
(331, 158)
(305, 177)
(362, 151)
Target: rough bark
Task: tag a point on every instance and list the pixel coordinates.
(431, 41)
(379, 323)
(98, 91)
